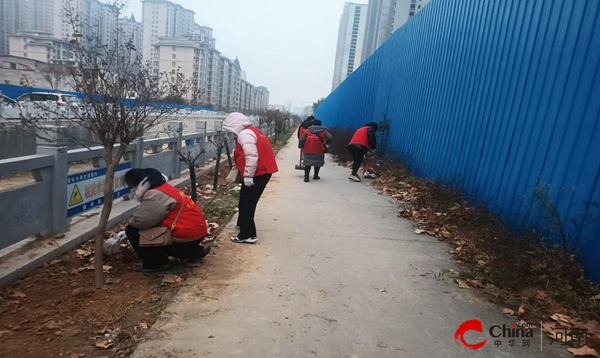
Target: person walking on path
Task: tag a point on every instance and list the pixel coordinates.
(305, 125)
(161, 205)
(362, 142)
(313, 143)
(255, 160)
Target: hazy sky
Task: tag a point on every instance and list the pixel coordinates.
(286, 45)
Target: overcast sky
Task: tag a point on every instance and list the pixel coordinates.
(286, 45)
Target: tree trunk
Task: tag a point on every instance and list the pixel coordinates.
(109, 183)
(194, 190)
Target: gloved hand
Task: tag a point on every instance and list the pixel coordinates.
(248, 182)
(121, 236)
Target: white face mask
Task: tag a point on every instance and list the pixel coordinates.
(141, 189)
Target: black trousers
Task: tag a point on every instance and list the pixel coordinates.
(249, 197)
(358, 156)
(155, 257)
(307, 171)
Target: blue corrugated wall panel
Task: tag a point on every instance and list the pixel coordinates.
(499, 97)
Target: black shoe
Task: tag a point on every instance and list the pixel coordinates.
(156, 269)
(306, 180)
(198, 259)
(316, 177)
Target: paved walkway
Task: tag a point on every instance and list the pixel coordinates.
(338, 275)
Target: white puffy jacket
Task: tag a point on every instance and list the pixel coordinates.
(236, 123)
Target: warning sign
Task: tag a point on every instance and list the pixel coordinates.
(75, 197)
(85, 191)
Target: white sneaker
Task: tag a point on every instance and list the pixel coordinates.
(251, 240)
(354, 178)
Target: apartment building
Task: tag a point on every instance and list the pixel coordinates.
(163, 19)
(385, 17)
(246, 91)
(131, 31)
(260, 96)
(41, 47)
(351, 38)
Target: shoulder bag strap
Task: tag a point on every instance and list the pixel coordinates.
(180, 210)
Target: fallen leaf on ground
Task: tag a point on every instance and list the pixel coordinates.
(542, 294)
(55, 262)
(382, 289)
(144, 325)
(462, 284)
(508, 311)
(477, 283)
(83, 253)
(16, 294)
(59, 236)
(106, 268)
(419, 231)
(212, 227)
(584, 352)
(597, 297)
(104, 344)
(113, 280)
(561, 318)
(446, 234)
(174, 279)
(521, 309)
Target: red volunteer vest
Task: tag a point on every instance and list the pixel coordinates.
(266, 158)
(301, 133)
(361, 137)
(191, 224)
(314, 143)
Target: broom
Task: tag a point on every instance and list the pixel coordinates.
(299, 165)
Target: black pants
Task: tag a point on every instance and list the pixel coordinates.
(307, 171)
(155, 257)
(249, 197)
(357, 155)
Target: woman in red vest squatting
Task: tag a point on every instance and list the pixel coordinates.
(255, 160)
(312, 144)
(159, 205)
(362, 142)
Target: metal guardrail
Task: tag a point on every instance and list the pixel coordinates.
(41, 207)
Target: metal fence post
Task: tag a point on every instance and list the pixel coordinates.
(201, 141)
(53, 141)
(138, 156)
(175, 131)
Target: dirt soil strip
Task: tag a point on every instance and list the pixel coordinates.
(57, 312)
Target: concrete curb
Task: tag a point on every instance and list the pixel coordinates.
(19, 260)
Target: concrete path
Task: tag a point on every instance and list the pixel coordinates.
(337, 274)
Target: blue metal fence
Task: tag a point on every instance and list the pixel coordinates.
(501, 96)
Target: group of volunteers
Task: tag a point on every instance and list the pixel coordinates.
(168, 223)
(313, 141)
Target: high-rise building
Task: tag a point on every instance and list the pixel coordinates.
(385, 17)
(131, 31)
(246, 89)
(351, 37)
(260, 95)
(163, 19)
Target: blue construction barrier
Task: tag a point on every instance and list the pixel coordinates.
(502, 97)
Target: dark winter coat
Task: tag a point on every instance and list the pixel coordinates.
(314, 160)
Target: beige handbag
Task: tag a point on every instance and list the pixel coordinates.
(234, 176)
(160, 235)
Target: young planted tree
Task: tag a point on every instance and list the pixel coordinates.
(107, 74)
(191, 157)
